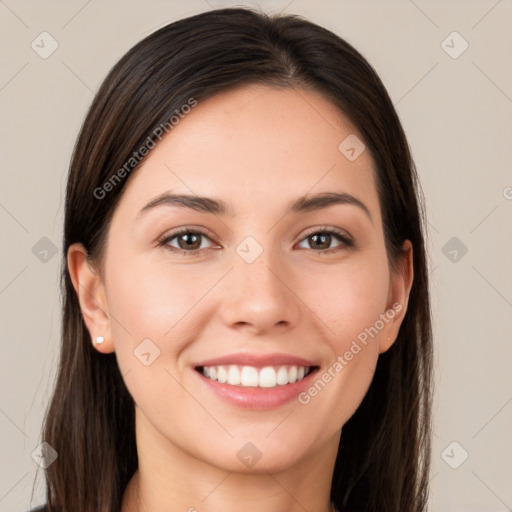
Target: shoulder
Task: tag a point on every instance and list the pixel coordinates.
(41, 508)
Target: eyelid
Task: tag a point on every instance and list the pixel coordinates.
(187, 229)
(321, 229)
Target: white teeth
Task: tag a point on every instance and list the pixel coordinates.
(268, 377)
(222, 374)
(233, 375)
(249, 376)
(282, 376)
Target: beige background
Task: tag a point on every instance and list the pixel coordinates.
(457, 113)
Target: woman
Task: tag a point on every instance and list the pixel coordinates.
(246, 319)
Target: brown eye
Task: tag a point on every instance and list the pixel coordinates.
(321, 241)
(186, 240)
(189, 241)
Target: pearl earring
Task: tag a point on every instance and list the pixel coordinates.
(99, 340)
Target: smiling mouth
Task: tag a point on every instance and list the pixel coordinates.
(250, 376)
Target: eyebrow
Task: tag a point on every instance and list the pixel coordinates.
(302, 204)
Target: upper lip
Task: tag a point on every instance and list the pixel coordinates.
(257, 360)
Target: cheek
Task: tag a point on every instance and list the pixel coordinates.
(149, 303)
(342, 382)
(158, 301)
(151, 298)
(350, 300)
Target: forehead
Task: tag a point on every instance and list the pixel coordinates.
(257, 142)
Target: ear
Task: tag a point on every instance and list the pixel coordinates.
(398, 297)
(90, 291)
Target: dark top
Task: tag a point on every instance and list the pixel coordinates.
(39, 509)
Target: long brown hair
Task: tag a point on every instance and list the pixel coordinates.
(384, 453)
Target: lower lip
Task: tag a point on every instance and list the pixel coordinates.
(258, 398)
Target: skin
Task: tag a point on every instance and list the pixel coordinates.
(257, 148)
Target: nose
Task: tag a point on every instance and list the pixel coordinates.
(260, 296)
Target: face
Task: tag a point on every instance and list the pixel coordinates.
(290, 301)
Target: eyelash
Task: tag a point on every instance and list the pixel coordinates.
(345, 241)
